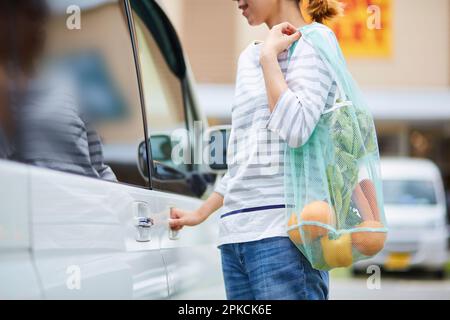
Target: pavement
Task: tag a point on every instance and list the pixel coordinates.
(408, 286)
(356, 289)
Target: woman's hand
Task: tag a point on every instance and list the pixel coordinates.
(180, 218)
(280, 37)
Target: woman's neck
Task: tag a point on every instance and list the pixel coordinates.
(288, 11)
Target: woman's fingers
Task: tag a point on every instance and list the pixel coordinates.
(176, 224)
(178, 228)
(287, 25)
(293, 37)
(288, 28)
(280, 37)
(290, 32)
(176, 221)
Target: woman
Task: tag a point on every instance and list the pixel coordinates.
(279, 99)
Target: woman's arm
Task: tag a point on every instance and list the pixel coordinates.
(298, 109)
(296, 103)
(273, 78)
(279, 39)
(180, 218)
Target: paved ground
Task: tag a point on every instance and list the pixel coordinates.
(393, 287)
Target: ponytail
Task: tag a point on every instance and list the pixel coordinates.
(322, 10)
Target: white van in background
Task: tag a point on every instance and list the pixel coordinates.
(415, 208)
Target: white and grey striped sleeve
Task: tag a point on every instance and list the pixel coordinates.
(221, 186)
(299, 108)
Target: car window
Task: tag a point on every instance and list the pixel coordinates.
(409, 192)
(169, 104)
(82, 113)
(164, 103)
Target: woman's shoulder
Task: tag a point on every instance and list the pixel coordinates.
(318, 35)
(318, 30)
(251, 52)
(252, 48)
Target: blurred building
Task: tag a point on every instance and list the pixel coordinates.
(403, 67)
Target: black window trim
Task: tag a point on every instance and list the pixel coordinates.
(141, 92)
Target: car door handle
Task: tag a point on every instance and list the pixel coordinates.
(143, 226)
(142, 221)
(173, 234)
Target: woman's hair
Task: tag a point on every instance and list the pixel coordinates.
(323, 10)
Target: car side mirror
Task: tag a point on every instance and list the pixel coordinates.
(166, 176)
(217, 142)
(161, 149)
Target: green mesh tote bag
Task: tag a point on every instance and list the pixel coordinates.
(333, 188)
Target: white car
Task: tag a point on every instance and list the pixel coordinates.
(69, 236)
(415, 209)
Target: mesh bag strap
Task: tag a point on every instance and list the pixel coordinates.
(340, 89)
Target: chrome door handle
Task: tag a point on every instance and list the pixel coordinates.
(142, 221)
(143, 226)
(173, 234)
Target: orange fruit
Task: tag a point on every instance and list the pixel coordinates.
(294, 234)
(369, 243)
(317, 211)
(337, 252)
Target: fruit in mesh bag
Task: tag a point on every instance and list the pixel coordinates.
(294, 234)
(337, 252)
(369, 243)
(317, 211)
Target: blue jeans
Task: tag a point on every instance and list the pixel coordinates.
(270, 269)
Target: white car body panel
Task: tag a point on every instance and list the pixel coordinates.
(84, 227)
(18, 277)
(193, 261)
(88, 224)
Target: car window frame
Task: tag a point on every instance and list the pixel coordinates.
(131, 28)
(190, 113)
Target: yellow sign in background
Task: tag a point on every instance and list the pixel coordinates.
(365, 31)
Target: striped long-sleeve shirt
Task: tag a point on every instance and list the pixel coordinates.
(253, 187)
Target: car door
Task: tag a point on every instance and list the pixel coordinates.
(18, 276)
(191, 257)
(84, 239)
(95, 229)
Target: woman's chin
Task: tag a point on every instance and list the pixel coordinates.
(252, 22)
